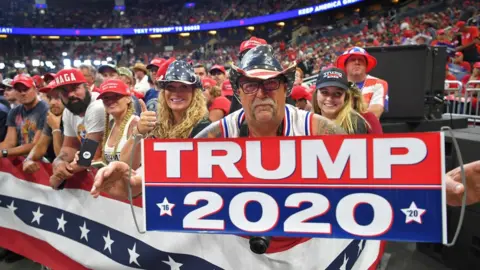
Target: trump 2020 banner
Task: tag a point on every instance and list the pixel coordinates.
(389, 187)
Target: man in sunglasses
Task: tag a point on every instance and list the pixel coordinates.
(25, 122)
(262, 86)
(84, 118)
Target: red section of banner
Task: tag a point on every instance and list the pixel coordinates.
(36, 250)
(82, 180)
(392, 159)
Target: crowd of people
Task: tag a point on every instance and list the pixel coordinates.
(50, 117)
(138, 13)
(250, 90)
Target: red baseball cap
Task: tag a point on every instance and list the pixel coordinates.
(458, 54)
(476, 65)
(162, 70)
(48, 87)
(116, 86)
(69, 76)
(299, 92)
(39, 82)
(23, 79)
(156, 62)
(218, 67)
(208, 82)
(251, 43)
(227, 89)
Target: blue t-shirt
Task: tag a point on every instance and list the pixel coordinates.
(151, 100)
(28, 122)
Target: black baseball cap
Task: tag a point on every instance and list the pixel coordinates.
(332, 77)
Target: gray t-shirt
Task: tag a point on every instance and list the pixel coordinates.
(27, 122)
(93, 121)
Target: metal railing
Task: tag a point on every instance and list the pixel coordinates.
(463, 104)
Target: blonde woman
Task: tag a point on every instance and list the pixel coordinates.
(334, 99)
(218, 105)
(120, 118)
(182, 110)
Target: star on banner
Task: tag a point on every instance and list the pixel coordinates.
(61, 223)
(165, 207)
(413, 213)
(133, 255)
(173, 264)
(37, 215)
(108, 242)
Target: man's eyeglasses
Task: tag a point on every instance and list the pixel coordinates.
(252, 87)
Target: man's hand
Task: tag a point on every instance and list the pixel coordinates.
(30, 166)
(455, 187)
(114, 180)
(53, 121)
(61, 171)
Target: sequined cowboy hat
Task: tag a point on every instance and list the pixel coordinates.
(260, 63)
(180, 71)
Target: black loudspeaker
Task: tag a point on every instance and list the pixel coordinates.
(412, 73)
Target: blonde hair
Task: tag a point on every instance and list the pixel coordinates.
(358, 102)
(215, 92)
(107, 131)
(165, 127)
(347, 116)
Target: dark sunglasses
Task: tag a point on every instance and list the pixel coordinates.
(251, 87)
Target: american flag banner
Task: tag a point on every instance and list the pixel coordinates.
(69, 229)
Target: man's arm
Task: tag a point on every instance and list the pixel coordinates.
(70, 146)
(214, 130)
(40, 148)
(24, 149)
(324, 126)
(10, 140)
(376, 109)
(57, 141)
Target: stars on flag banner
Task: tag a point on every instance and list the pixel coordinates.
(119, 247)
(347, 259)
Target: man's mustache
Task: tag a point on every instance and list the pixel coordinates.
(264, 102)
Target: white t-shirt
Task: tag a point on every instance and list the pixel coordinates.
(93, 121)
(142, 86)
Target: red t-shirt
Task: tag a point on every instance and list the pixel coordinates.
(220, 103)
(375, 126)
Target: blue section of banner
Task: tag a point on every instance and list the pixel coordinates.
(417, 213)
(179, 29)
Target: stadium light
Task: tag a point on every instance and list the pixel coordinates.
(2, 65)
(53, 37)
(109, 59)
(212, 32)
(281, 24)
(35, 62)
(250, 28)
(77, 63)
(156, 36)
(97, 62)
(3, 36)
(64, 53)
(104, 63)
(87, 62)
(67, 63)
(42, 63)
(184, 34)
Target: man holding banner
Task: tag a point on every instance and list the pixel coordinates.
(178, 174)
